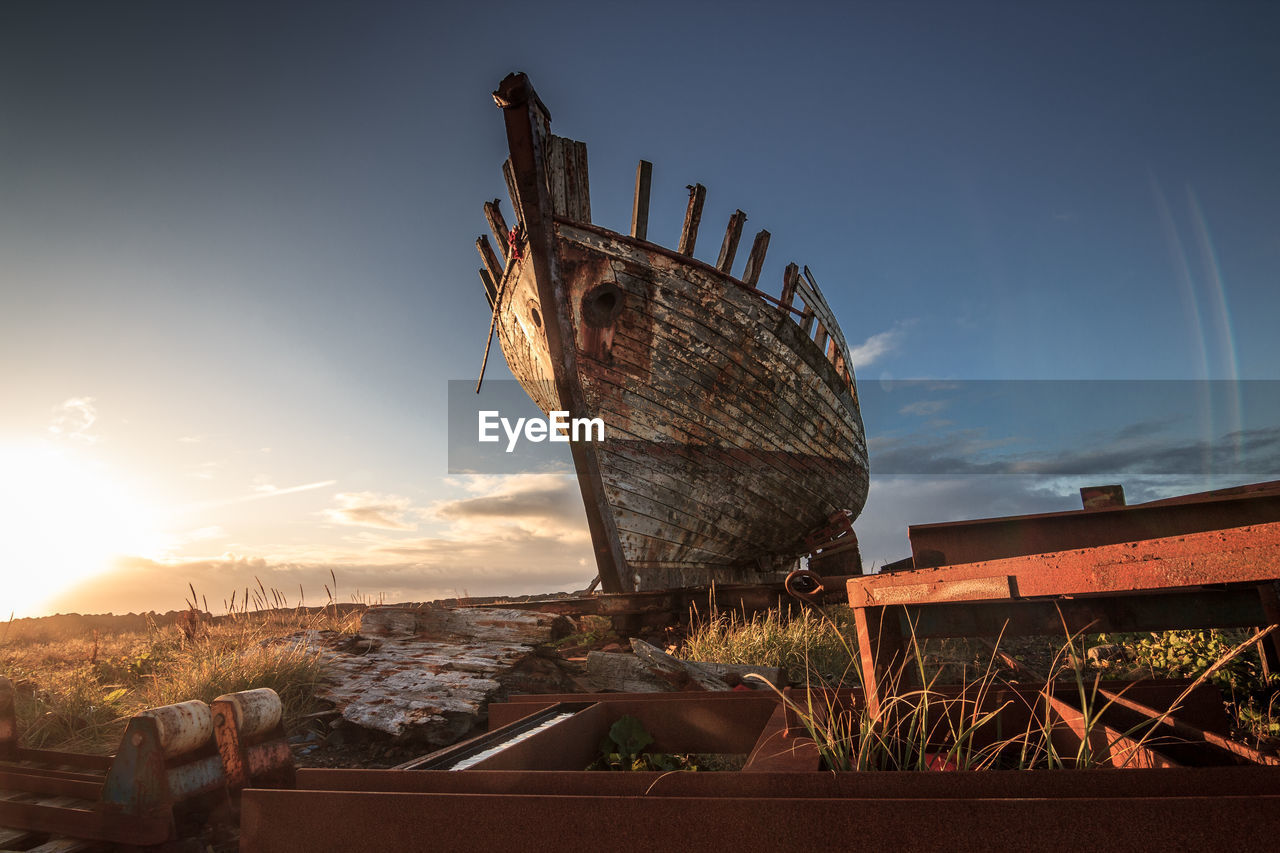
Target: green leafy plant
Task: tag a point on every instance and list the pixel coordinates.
(623, 749)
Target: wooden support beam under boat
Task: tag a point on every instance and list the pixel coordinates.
(790, 278)
(498, 226)
(692, 218)
(528, 135)
(729, 248)
(640, 204)
(751, 275)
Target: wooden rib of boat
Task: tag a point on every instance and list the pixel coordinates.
(732, 429)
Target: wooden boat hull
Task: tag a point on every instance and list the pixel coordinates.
(729, 434)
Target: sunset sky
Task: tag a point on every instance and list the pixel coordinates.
(237, 262)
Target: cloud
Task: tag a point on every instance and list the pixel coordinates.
(506, 535)
(867, 352)
(72, 419)
(1132, 449)
(923, 408)
(369, 509)
(261, 493)
(560, 503)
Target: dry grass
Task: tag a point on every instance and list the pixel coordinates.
(77, 688)
(919, 725)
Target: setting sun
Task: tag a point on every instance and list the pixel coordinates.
(66, 520)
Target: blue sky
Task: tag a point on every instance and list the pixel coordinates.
(237, 264)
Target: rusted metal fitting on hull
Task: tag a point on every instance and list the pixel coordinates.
(806, 586)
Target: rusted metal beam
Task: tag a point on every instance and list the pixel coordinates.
(729, 248)
(640, 203)
(1199, 608)
(85, 822)
(1269, 647)
(1241, 555)
(692, 217)
(882, 650)
(1105, 743)
(868, 786)
(345, 820)
(35, 781)
(956, 542)
(1102, 497)
(777, 751)
(755, 260)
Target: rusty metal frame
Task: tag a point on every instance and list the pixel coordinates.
(1216, 578)
(986, 539)
(576, 810)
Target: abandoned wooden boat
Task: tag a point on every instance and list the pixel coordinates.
(732, 429)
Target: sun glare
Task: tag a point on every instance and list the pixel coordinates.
(65, 520)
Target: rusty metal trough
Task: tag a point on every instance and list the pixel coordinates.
(537, 794)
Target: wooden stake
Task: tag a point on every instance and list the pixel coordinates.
(751, 275)
(692, 217)
(556, 176)
(640, 204)
(490, 259)
(513, 191)
(498, 226)
(577, 185)
(493, 321)
(790, 278)
(729, 247)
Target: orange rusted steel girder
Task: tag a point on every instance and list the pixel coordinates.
(983, 539)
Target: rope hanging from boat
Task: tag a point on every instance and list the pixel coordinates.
(515, 239)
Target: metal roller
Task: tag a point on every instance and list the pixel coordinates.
(183, 727)
(256, 711)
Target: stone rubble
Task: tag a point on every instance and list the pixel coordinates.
(427, 673)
